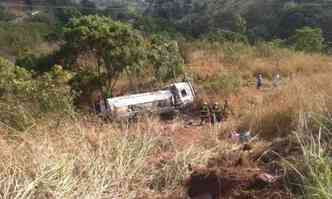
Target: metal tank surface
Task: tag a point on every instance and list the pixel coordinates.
(175, 97)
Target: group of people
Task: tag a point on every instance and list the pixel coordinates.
(259, 80)
(215, 113)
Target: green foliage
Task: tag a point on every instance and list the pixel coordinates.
(314, 169)
(223, 84)
(226, 36)
(260, 20)
(155, 25)
(4, 15)
(166, 58)
(308, 39)
(88, 7)
(31, 62)
(65, 14)
(19, 38)
(84, 83)
(233, 51)
(116, 46)
(240, 24)
(270, 49)
(298, 16)
(121, 10)
(24, 98)
(318, 176)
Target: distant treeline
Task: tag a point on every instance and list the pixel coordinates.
(256, 20)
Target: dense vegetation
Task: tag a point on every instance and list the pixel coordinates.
(54, 63)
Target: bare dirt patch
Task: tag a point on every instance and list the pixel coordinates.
(233, 182)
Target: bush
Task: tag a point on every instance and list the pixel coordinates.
(19, 38)
(224, 84)
(41, 63)
(165, 57)
(234, 51)
(24, 99)
(226, 36)
(84, 84)
(4, 15)
(308, 39)
(313, 170)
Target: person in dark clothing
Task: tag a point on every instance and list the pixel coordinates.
(259, 81)
(98, 105)
(205, 113)
(216, 113)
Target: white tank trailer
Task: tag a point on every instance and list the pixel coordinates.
(174, 98)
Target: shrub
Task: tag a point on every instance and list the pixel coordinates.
(313, 169)
(308, 39)
(165, 57)
(84, 84)
(41, 63)
(24, 98)
(233, 52)
(18, 39)
(226, 36)
(223, 84)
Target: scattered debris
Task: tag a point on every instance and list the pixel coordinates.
(245, 136)
(235, 136)
(266, 178)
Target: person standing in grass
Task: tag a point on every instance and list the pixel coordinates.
(216, 113)
(97, 105)
(259, 81)
(205, 113)
(276, 80)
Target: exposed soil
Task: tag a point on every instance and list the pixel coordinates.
(236, 182)
(237, 175)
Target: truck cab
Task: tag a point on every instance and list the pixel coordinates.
(183, 94)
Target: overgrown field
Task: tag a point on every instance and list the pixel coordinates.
(50, 151)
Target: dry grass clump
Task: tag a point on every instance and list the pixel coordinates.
(81, 159)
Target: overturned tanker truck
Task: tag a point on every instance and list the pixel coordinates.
(174, 98)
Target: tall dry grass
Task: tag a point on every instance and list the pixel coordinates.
(281, 111)
(206, 59)
(81, 159)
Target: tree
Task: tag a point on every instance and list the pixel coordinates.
(116, 46)
(24, 96)
(297, 17)
(88, 7)
(226, 36)
(165, 58)
(240, 24)
(308, 39)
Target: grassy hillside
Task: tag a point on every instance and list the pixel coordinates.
(19, 39)
(156, 159)
(51, 147)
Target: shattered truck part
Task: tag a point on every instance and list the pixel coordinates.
(175, 97)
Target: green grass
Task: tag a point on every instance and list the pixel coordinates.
(224, 84)
(317, 171)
